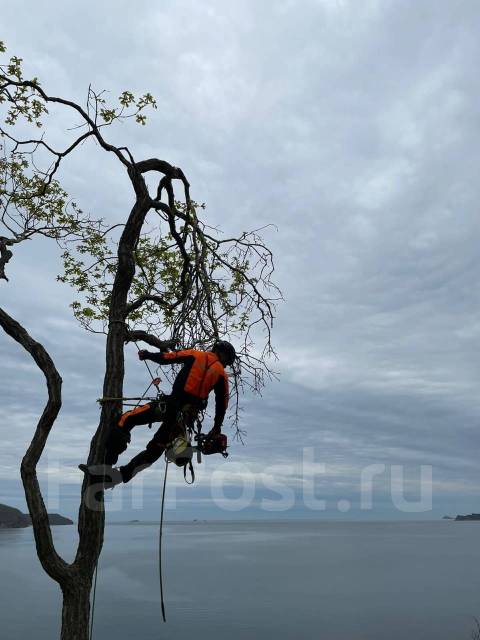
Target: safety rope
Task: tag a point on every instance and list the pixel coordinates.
(146, 363)
(92, 613)
(160, 566)
(156, 382)
(94, 597)
(107, 399)
(160, 535)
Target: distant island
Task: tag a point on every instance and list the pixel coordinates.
(471, 516)
(11, 518)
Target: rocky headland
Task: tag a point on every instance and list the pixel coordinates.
(11, 518)
(469, 517)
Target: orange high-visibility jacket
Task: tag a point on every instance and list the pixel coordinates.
(201, 373)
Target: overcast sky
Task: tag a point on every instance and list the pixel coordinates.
(354, 128)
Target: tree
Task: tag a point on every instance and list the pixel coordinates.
(162, 272)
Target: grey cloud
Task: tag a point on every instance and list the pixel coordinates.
(352, 127)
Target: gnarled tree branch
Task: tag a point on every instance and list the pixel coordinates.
(53, 564)
(153, 341)
(5, 255)
(136, 304)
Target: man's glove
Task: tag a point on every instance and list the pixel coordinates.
(143, 354)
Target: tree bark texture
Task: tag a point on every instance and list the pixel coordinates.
(76, 611)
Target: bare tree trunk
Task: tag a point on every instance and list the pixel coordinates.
(91, 520)
(76, 610)
(75, 580)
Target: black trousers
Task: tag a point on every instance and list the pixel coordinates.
(120, 435)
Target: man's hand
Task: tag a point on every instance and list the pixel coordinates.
(142, 354)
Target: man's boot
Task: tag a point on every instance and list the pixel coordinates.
(102, 474)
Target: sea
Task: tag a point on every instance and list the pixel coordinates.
(247, 580)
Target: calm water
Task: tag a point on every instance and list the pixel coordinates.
(242, 581)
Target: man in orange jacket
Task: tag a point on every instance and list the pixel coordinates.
(202, 372)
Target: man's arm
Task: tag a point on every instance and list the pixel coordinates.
(170, 357)
(221, 403)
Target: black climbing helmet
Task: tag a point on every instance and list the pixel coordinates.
(227, 349)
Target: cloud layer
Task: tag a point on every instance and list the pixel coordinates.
(351, 126)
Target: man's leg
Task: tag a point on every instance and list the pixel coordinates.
(117, 442)
(120, 435)
(157, 445)
(148, 456)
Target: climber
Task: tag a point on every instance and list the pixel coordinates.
(202, 372)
